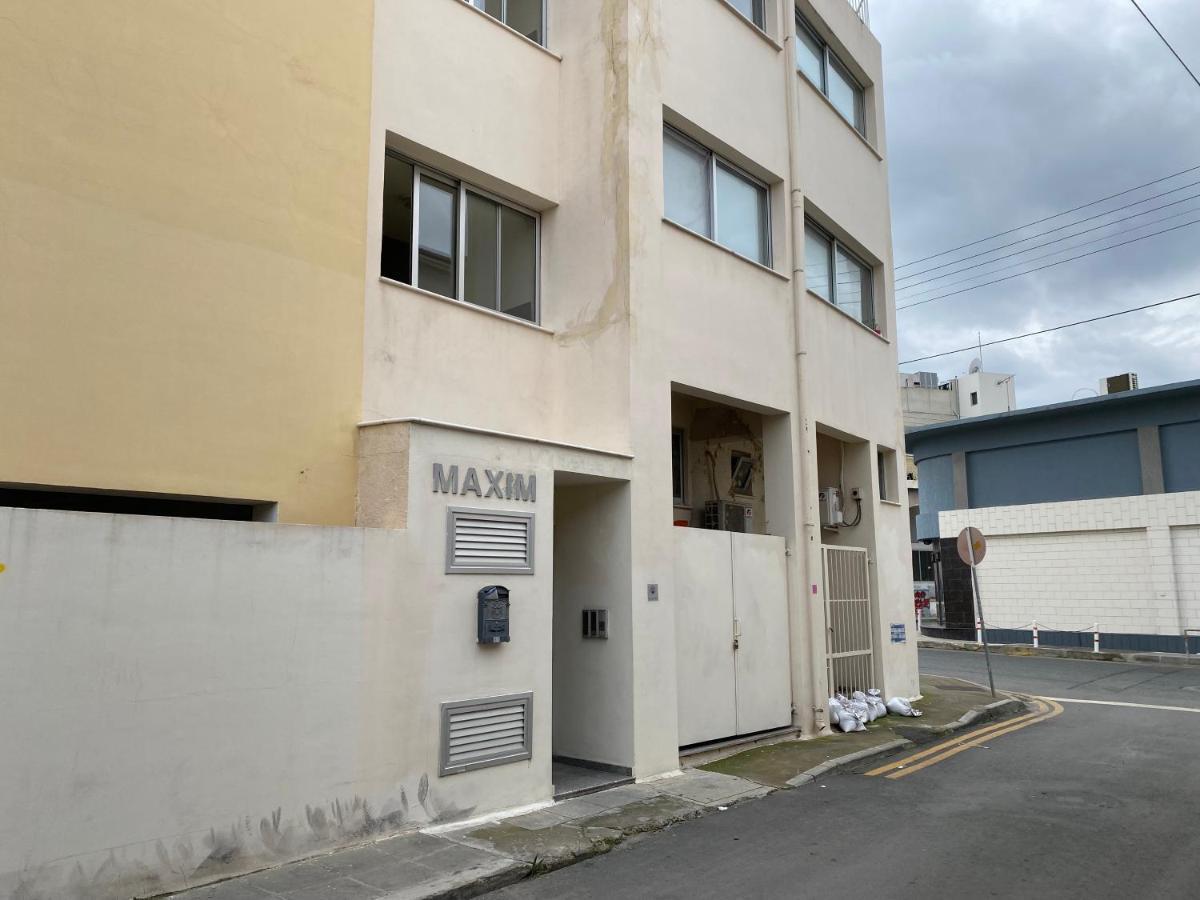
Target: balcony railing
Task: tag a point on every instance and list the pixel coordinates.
(861, 10)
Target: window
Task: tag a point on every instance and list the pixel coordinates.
(466, 245)
(741, 473)
(714, 198)
(835, 274)
(525, 17)
(752, 10)
(678, 466)
(829, 75)
(886, 461)
(974, 398)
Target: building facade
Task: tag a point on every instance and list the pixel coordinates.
(1092, 513)
(324, 323)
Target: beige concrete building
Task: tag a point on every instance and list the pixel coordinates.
(590, 300)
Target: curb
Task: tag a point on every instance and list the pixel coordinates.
(1161, 659)
(849, 759)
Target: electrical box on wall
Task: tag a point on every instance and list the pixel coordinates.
(493, 615)
(830, 501)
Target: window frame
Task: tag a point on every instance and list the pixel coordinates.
(503, 19)
(885, 462)
(758, 16)
(835, 246)
(681, 435)
(831, 59)
(461, 189)
(712, 161)
(736, 457)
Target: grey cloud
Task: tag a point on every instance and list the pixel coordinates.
(1001, 113)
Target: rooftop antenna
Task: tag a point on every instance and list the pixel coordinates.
(979, 341)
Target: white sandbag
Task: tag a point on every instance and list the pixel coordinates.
(872, 709)
(902, 707)
(860, 711)
(875, 698)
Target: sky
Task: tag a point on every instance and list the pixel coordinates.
(1001, 112)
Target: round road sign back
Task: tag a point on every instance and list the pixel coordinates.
(977, 545)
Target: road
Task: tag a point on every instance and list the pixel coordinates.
(1099, 802)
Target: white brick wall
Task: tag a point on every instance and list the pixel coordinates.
(1185, 541)
(1132, 564)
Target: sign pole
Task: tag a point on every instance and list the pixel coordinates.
(979, 607)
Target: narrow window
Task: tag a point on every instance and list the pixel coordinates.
(974, 398)
(886, 460)
(835, 274)
(716, 199)
(396, 259)
(810, 55)
(829, 75)
(741, 473)
(817, 252)
(741, 214)
(436, 228)
(522, 16)
(752, 10)
(497, 265)
(678, 466)
(685, 181)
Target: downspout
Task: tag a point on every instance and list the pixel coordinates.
(812, 595)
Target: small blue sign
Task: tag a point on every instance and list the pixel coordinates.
(898, 634)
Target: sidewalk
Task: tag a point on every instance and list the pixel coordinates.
(471, 859)
(1164, 659)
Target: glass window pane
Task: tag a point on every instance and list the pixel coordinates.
(435, 238)
(525, 16)
(395, 259)
(817, 249)
(853, 288)
(685, 184)
(493, 8)
(481, 255)
(810, 55)
(751, 9)
(845, 95)
(742, 215)
(518, 264)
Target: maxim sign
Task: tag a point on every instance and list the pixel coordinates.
(500, 484)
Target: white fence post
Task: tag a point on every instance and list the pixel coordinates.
(978, 631)
(1035, 636)
(1096, 637)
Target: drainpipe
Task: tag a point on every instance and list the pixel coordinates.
(807, 685)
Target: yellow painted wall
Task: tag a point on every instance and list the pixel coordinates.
(182, 190)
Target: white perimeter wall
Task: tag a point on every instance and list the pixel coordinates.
(1132, 564)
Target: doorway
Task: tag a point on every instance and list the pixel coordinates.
(592, 645)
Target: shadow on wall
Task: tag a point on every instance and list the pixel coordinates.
(237, 849)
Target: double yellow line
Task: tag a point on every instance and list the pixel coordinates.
(915, 762)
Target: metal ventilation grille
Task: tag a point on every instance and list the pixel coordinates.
(488, 732)
(484, 541)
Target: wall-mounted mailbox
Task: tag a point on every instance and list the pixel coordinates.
(493, 615)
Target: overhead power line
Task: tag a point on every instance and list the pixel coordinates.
(1027, 260)
(1017, 337)
(1048, 218)
(1047, 266)
(1060, 228)
(1166, 42)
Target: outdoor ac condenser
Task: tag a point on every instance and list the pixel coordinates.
(735, 517)
(830, 501)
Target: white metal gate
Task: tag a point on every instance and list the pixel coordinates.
(849, 650)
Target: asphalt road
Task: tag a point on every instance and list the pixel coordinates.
(1100, 802)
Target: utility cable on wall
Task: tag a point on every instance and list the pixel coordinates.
(1017, 337)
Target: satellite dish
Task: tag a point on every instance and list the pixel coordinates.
(976, 365)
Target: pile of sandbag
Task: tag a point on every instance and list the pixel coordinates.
(854, 712)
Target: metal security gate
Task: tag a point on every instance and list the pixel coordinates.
(849, 650)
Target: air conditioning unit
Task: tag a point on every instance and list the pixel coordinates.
(1116, 384)
(830, 501)
(735, 517)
